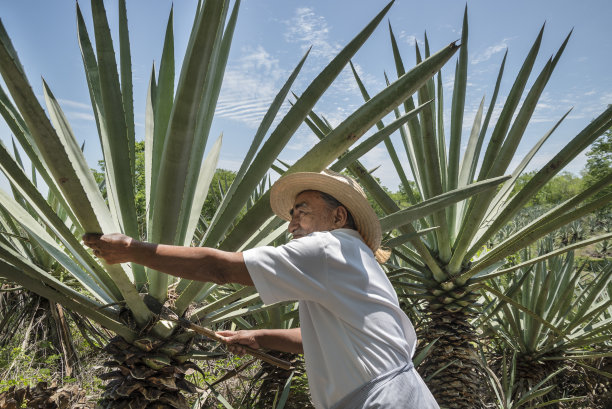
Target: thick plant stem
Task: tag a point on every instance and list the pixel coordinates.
(459, 384)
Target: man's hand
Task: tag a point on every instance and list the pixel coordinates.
(113, 248)
(238, 338)
(284, 340)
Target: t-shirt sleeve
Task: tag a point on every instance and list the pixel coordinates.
(291, 272)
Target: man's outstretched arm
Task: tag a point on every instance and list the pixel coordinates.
(284, 340)
(192, 263)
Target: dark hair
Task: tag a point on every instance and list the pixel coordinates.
(333, 203)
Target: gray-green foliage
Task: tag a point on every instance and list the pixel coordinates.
(177, 123)
(550, 314)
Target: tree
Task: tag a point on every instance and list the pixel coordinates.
(599, 165)
(220, 184)
(560, 188)
(599, 160)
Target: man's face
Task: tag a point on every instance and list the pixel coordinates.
(310, 213)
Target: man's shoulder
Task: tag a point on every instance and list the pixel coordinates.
(316, 242)
(348, 236)
(339, 237)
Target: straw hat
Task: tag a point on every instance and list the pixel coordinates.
(344, 189)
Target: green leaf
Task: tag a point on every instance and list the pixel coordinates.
(485, 123)
(35, 230)
(467, 163)
(45, 136)
(457, 108)
(520, 307)
(50, 218)
(223, 301)
(546, 256)
(113, 120)
(290, 123)
(60, 164)
(149, 139)
(73, 302)
(537, 390)
(399, 240)
(502, 196)
(17, 125)
(553, 220)
(218, 224)
(163, 100)
(210, 96)
(181, 136)
(475, 210)
(285, 394)
(375, 139)
(388, 144)
(412, 141)
(567, 153)
(127, 92)
(345, 134)
(207, 172)
(436, 203)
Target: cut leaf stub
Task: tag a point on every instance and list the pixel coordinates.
(144, 375)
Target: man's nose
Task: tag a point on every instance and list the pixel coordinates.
(293, 225)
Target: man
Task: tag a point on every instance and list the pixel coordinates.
(357, 342)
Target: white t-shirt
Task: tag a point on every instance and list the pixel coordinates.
(352, 326)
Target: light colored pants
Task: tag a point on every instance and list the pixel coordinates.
(401, 388)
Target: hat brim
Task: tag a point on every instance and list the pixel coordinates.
(285, 190)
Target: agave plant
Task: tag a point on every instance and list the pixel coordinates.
(448, 264)
(504, 387)
(603, 248)
(551, 313)
(25, 313)
(151, 353)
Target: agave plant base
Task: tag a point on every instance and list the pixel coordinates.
(147, 374)
(532, 369)
(453, 362)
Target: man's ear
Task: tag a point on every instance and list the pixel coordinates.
(340, 217)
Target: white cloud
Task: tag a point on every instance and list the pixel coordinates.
(74, 104)
(491, 51)
(606, 98)
(249, 87)
(310, 29)
(543, 105)
(77, 110)
(411, 39)
(80, 115)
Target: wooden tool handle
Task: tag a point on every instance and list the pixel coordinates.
(281, 363)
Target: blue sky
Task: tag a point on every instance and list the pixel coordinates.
(272, 36)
